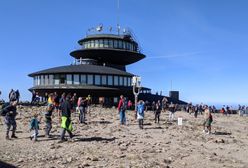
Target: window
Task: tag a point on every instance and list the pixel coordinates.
(83, 79)
(101, 43)
(90, 79)
(46, 80)
(92, 44)
(115, 44)
(120, 44)
(34, 82)
(62, 79)
(69, 79)
(128, 46)
(115, 99)
(56, 79)
(51, 78)
(42, 81)
(125, 81)
(104, 80)
(116, 81)
(96, 43)
(129, 81)
(97, 80)
(110, 43)
(121, 81)
(124, 44)
(76, 79)
(110, 80)
(106, 43)
(38, 80)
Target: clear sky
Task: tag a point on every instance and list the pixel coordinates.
(199, 45)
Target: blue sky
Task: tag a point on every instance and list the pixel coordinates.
(199, 45)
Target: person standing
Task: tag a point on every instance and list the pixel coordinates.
(10, 114)
(66, 124)
(121, 110)
(82, 105)
(208, 119)
(171, 111)
(140, 113)
(157, 111)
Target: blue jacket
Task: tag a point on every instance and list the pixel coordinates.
(34, 123)
(141, 109)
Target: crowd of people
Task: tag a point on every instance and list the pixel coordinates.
(64, 105)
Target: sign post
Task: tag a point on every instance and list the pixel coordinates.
(136, 83)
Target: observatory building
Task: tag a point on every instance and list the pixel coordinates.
(99, 69)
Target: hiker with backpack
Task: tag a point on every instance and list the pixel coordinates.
(9, 113)
(140, 113)
(48, 115)
(121, 110)
(12, 95)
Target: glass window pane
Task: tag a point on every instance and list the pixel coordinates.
(83, 79)
(46, 79)
(129, 81)
(56, 79)
(90, 79)
(106, 43)
(69, 79)
(110, 80)
(51, 78)
(110, 43)
(97, 80)
(115, 44)
(116, 82)
(124, 44)
(96, 43)
(101, 43)
(76, 79)
(120, 44)
(104, 80)
(121, 81)
(42, 81)
(92, 44)
(125, 81)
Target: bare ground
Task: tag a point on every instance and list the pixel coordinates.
(102, 142)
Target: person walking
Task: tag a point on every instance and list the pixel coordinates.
(66, 124)
(34, 125)
(140, 113)
(10, 114)
(121, 109)
(48, 115)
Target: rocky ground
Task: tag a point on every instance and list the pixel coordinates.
(102, 142)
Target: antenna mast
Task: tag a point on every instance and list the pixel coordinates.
(118, 20)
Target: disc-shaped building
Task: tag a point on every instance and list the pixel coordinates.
(99, 71)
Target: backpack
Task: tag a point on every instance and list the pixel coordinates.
(12, 96)
(3, 112)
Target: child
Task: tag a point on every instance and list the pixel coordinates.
(34, 125)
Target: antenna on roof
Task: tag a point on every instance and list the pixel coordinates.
(118, 11)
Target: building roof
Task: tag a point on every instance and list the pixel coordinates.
(87, 69)
(109, 55)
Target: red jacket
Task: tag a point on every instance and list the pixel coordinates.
(121, 103)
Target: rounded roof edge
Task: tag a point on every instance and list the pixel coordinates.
(88, 69)
(108, 36)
